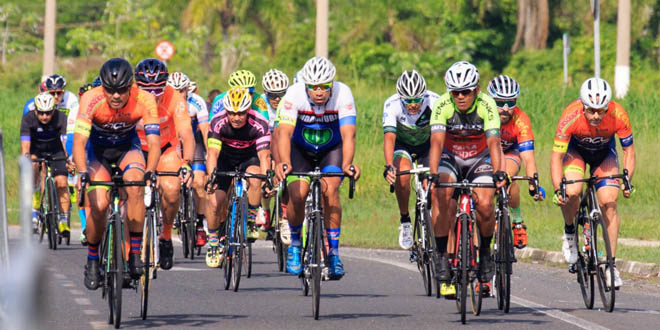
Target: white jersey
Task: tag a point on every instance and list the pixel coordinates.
(69, 105)
(197, 110)
(317, 127)
(410, 129)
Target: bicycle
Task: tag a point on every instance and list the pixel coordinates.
(186, 217)
(314, 253)
(465, 264)
(423, 251)
(150, 254)
(502, 253)
(279, 247)
(49, 210)
(594, 259)
(112, 251)
(238, 249)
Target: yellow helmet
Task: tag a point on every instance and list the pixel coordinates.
(243, 78)
(237, 99)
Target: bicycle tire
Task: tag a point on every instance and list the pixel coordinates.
(476, 289)
(119, 269)
(52, 212)
(238, 250)
(317, 242)
(431, 252)
(191, 214)
(183, 232)
(423, 265)
(226, 262)
(476, 297)
(585, 276)
(464, 264)
(506, 255)
(607, 290)
(248, 261)
(147, 259)
(42, 226)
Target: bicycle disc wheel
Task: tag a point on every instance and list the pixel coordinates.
(317, 242)
(603, 256)
(118, 265)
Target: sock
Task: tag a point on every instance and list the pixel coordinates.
(284, 216)
(405, 218)
(515, 214)
(485, 244)
(93, 251)
(167, 232)
(200, 220)
(569, 229)
(214, 240)
(136, 242)
(83, 218)
(252, 213)
(333, 241)
(295, 235)
(64, 216)
(441, 244)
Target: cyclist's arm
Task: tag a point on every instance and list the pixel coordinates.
(264, 160)
(437, 143)
(529, 161)
(556, 171)
(213, 151)
(347, 144)
(390, 138)
(629, 160)
(204, 128)
(25, 136)
(183, 127)
(79, 156)
(284, 142)
(495, 149)
(153, 143)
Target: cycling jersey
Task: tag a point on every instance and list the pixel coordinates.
(173, 117)
(259, 104)
(516, 135)
(317, 127)
(574, 129)
(272, 114)
(466, 132)
(242, 143)
(197, 110)
(410, 129)
(43, 138)
(108, 127)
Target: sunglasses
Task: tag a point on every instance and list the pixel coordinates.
(275, 95)
(464, 92)
(592, 111)
(323, 87)
(417, 100)
(45, 113)
(156, 91)
(56, 93)
(120, 90)
(241, 113)
(509, 103)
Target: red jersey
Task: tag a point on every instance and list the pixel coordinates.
(173, 118)
(517, 133)
(574, 128)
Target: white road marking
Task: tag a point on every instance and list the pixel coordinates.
(59, 276)
(82, 301)
(98, 324)
(185, 269)
(68, 284)
(91, 312)
(76, 292)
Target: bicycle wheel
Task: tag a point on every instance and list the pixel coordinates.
(118, 266)
(305, 275)
(602, 254)
(420, 254)
(182, 228)
(504, 267)
(191, 215)
(464, 263)
(585, 276)
(52, 213)
(238, 250)
(147, 259)
(248, 260)
(476, 289)
(43, 224)
(475, 296)
(226, 263)
(316, 244)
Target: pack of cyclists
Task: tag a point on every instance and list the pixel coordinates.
(144, 120)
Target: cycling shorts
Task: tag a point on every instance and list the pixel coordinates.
(305, 161)
(418, 153)
(601, 163)
(126, 156)
(477, 169)
(514, 156)
(199, 158)
(230, 163)
(57, 168)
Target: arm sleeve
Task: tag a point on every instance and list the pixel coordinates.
(25, 128)
(389, 118)
(83, 123)
(214, 141)
(525, 135)
(347, 111)
(565, 127)
(150, 114)
(438, 120)
(623, 129)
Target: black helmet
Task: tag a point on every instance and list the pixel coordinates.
(151, 72)
(116, 73)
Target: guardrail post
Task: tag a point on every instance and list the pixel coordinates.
(4, 222)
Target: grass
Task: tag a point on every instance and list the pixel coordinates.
(371, 219)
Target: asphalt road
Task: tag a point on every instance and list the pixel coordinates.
(382, 290)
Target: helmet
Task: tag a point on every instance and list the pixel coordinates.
(243, 78)
(151, 72)
(96, 82)
(595, 93)
(84, 88)
(116, 73)
(178, 80)
(318, 70)
(237, 99)
(411, 85)
(275, 81)
(462, 75)
(192, 87)
(503, 87)
(44, 102)
(298, 77)
(55, 82)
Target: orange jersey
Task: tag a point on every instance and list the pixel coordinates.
(517, 133)
(108, 127)
(574, 128)
(173, 117)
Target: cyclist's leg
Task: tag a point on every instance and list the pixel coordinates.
(297, 189)
(442, 216)
(169, 161)
(573, 167)
(254, 196)
(512, 161)
(199, 179)
(216, 214)
(403, 162)
(60, 174)
(608, 193)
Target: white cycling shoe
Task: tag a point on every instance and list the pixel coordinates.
(285, 232)
(617, 278)
(569, 248)
(405, 236)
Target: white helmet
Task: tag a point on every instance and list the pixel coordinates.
(44, 102)
(192, 87)
(462, 75)
(178, 80)
(237, 99)
(275, 81)
(503, 87)
(298, 77)
(596, 93)
(318, 70)
(411, 85)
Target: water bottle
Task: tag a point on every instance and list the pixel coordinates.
(587, 236)
(147, 196)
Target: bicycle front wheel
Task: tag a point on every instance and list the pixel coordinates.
(52, 201)
(191, 215)
(464, 263)
(422, 257)
(602, 254)
(504, 260)
(147, 259)
(317, 242)
(239, 249)
(585, 270)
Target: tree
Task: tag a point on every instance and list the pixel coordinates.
(533, 25)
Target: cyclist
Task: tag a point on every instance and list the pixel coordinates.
(108, 118)
(65, 101)
(238, 139)
(518, 146)
(199, 118)
(245, 79)
(406, 118)
(316, 127)
(275, 84)
(42, 133)
(585, 136)
(465, 144)
(151, 76)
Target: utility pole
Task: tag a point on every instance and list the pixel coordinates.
(596, 11)
(49, 38)
(622, 68)
(322, 9)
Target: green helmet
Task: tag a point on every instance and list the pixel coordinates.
(243, 78)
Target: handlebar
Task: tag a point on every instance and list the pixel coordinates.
(422, 171)
(118, 183)
(593, 179)
(533, 180)
(216, 173)
(317, 174)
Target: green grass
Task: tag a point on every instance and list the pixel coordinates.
(371, 219)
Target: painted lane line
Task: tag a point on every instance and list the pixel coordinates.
(59, 276)
(82, 301)
(186, 269)
(76, 292)
(67, 284)
(98, 325)
(91, 312)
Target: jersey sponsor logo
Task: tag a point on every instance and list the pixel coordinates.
(483, 168)
(595, 140)
(560, 146)
(288, 105)
(317, 137)
(465, 151)
(260, 103)
(116, 126)
(349, 106)
(326, 118)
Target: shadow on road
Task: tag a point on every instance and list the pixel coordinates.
(178, 320)
(362, 315)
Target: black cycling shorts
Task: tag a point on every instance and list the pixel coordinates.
(231, 163)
